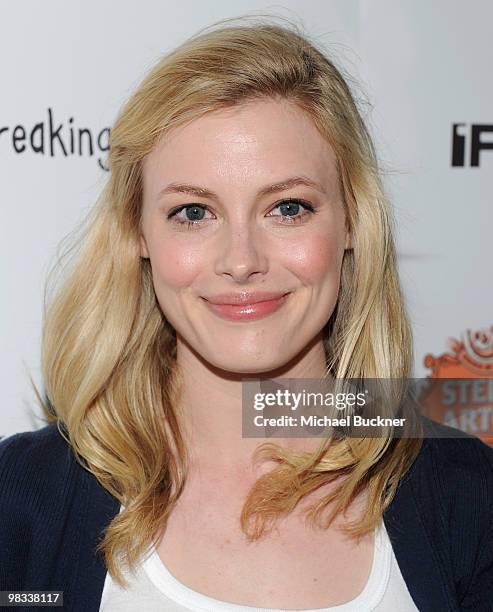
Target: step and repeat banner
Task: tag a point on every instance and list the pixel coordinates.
(421, 71)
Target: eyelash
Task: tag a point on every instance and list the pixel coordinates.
(307, 208)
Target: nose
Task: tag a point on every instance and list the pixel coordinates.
(242, 254)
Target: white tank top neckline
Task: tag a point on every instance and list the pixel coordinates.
(153, 588)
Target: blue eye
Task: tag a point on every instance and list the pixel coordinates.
(293, 210)
(194, 214)
(290, 209)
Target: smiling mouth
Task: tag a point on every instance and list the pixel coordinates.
(247, 312)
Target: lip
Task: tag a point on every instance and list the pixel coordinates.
(246, 305)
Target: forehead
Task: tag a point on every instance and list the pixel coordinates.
(258, 141)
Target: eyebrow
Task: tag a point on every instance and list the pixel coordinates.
(269, 189)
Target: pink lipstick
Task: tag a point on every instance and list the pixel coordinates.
(246, 306)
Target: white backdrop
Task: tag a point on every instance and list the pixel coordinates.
(423, 66)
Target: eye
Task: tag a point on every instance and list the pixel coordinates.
(293, 210)
(188, 214)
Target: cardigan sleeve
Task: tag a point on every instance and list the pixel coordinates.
(13, 552)
(52, 515)
(479, 595)
(451, 485)
(36, 480)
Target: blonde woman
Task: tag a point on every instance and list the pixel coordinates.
(243, 233)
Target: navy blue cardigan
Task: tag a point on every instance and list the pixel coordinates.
(52, 512)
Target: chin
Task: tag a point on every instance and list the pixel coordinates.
(240, 358)
(250, 365)
(252, 369)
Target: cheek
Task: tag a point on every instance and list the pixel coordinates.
(176, 264)
(316, 259)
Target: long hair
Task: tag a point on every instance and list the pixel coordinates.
(109, 354)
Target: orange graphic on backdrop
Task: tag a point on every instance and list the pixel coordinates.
(465, 403)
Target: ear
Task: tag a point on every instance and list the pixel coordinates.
(143, 248)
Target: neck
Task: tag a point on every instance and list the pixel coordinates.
(211, 407)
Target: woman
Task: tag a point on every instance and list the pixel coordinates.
(243, 234)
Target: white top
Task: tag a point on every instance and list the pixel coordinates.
(155, 589)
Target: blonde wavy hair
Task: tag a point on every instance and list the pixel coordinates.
(109, 354)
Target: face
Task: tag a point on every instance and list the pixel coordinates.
(244, 225)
